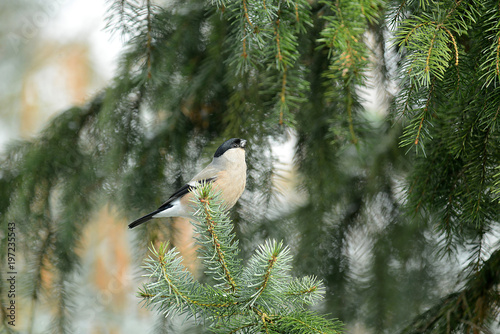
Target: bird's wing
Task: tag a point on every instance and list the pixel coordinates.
(183, 191)
(209, 172)
(207, 175)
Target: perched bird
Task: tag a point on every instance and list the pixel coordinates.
(227, 171)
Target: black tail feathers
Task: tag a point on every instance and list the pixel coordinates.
(141, 220)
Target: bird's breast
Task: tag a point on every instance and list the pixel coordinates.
(232, 184)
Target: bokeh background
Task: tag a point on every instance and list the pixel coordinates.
(109, 106)
(56, 54)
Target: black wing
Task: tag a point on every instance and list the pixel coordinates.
(183, 191)
(168, 204)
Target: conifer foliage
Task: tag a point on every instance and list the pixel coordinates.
(450, 97)
(387, 205)
(259, 298)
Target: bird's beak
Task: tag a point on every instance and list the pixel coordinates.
(243, 143)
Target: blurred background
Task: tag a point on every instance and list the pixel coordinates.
(56, 54)
(109, 106)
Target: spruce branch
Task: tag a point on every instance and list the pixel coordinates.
(306, 290)
(173, 288)
(220, 251)
(262, 297)
(268, 268)
(192, 72)
(310, 323)
(343, 38)
(466, 310)
(264, 41)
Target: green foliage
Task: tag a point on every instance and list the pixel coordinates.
(369, 220)
(450, 100)
(261, 297)
(348, 55)
(474, 304)
(452, 111)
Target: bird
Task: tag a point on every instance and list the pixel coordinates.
(227, 172)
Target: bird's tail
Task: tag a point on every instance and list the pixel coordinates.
(143, 219)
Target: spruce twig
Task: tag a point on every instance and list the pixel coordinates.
(264, 290)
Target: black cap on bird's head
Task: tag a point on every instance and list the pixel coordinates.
(229, 144)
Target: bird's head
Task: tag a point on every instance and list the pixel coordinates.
(230, 145)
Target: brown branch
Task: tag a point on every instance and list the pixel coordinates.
(150, 295)
(220, 254)
(246, 13)
(305, 291)
(277, 33)
(425, 111)
(498, 57)
(454, 44)
(427, 61)
(267, 275)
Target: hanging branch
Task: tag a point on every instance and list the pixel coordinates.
(467, 309)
